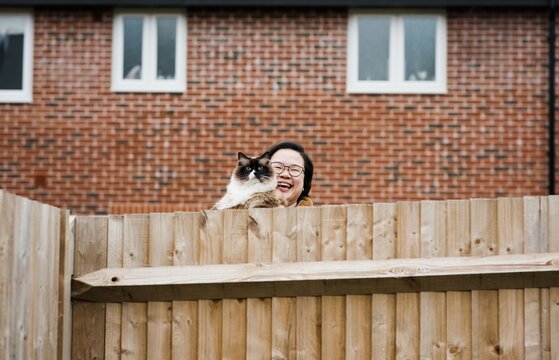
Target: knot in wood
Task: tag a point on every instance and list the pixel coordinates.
(407, 270)
(454, 349)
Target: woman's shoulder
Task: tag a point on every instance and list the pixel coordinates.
(305, 201)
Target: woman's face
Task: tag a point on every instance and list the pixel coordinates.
(289, 186)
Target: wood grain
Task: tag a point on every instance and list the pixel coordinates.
(235, 251)
(259, 311)
(433, 304)
(358, 307)
(184, 342)
(309, 314)
(210, 312)
(160, 253)
(407, 304)
(485, 304)
(510, 231)
(458, 303)
(334, 227)
(383, 312)
(113, 317)
(134, 314)
(532, 235)
(284, 309)
(88, 319)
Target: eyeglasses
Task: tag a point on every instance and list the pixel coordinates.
(293, 170)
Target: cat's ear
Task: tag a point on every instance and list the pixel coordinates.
(240, 156)
(265, 156)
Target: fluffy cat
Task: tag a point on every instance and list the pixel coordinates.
(252, 185)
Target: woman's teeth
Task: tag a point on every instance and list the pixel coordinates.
(285, 185)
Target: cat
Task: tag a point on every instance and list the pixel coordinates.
(253, 185)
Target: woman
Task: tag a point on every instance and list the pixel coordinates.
(294, 172)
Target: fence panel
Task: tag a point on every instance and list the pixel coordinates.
(34, 279)
(318, 320)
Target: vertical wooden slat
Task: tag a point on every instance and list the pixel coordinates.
(259, 311)
(552, 330)
(160, 253)
(284, 315)
(535, 237)
(210, 311)
(39, 299)
(358, 307)
(37, 305)
(546, 226)
(309, 326)
(459, 303)
(554, 322)
(407, 304)
(113, 319)
(66, 269)
(134, 315)
(334, 246)
(19, 289)
(235, 251)
(433, 304)
(510, 212)
(88, 319)
(185, 313)
(533, 221)
(53, 258)
(7, 207)
(485, 304)
(383, 327)
(533, 324)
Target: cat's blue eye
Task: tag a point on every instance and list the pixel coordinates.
(260, 168)
(247, 168)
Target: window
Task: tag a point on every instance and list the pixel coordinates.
(149, 52)
(16, 57)
(396, 52)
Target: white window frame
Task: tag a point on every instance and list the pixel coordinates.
(396, 67)
(149, 81)
(25, 95)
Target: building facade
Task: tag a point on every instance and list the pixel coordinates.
(472, 120)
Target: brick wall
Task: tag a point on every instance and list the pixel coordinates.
(256, 77)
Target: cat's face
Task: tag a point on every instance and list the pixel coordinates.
(254, 168)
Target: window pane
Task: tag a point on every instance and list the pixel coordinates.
(132, 62)
(166, 52)
(12, 30)
(420, 40)
(374, 36)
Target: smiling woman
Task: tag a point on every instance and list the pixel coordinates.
(294, 172)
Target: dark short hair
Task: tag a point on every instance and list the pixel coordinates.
(307, 182)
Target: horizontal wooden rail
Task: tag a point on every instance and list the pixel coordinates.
(318, 278)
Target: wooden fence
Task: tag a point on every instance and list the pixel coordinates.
(35, 257)
(488, 320)
(269, 283)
